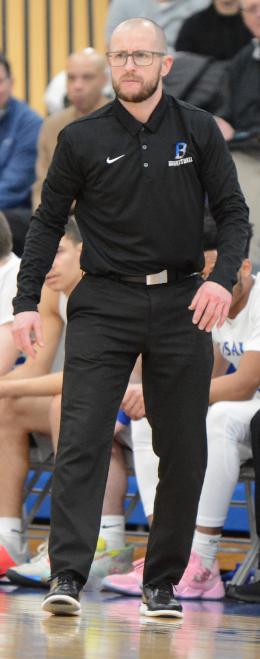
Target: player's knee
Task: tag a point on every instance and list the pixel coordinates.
(217, 420)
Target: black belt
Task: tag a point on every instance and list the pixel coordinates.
(162, 277)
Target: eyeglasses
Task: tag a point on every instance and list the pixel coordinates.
(252, 10)
(140, 57)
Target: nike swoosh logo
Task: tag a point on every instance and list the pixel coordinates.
(109, 526)
(110, 160)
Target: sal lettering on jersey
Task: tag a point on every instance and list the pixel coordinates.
(232, 348)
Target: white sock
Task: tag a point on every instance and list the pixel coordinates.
(206, 546)
(112, 529)
(10, 530)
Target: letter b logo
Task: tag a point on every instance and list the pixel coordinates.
(180, 150)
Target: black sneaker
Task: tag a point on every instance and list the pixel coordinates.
(159, 601)
(249, 592)
(63, 598)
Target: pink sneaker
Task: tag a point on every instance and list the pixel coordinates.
(126, 584)
(200, 583)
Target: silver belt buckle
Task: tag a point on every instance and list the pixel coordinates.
(158, 278)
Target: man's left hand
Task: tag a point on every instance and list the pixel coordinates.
(210, 305)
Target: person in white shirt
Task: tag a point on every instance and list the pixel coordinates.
(235, 399)
(9, 267)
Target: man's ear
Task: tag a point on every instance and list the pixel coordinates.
(166, 65)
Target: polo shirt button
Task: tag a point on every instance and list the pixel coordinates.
(146, 164)
(144, 146)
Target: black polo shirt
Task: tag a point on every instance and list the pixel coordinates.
(139, 192)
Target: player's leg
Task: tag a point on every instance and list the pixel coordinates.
(18, 416)
(228, 432)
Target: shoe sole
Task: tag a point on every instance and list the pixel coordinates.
(214, 594)
(197, 597)
(21, 580)
(61, 605)
(163, 613)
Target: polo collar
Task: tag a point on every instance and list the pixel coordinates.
(132, 125)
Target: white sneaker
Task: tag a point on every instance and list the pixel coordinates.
(34, 573)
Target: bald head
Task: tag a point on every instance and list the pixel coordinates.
(147, 31)
(87, 56)
(86, 77)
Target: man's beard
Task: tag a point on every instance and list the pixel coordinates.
(148, 89)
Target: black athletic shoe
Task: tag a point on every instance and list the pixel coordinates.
(249, 592)
(63, 598)
(159, 601)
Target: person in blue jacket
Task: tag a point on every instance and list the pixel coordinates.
(19, 129)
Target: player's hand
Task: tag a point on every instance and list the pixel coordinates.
(133, 402)
(27, 332)
(210, 305)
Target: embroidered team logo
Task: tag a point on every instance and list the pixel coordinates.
(180, 155)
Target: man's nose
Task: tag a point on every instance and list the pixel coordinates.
(130, 64)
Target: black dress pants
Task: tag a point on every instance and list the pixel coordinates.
(109, 324)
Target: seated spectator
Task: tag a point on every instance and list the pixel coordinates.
(217, 31)
(55, 95)
(168, 14)
(9, 266)
(250, 592)
(86, 77)
(241, 123)
(19, 129)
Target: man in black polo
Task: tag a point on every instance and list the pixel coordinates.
(138, 170)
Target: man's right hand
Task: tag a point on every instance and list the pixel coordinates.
(27, 331)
